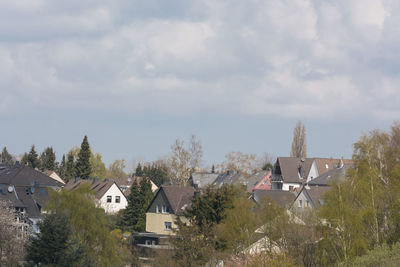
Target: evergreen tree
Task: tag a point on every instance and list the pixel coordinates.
(145, 195)
(31, 159)
(139, 171)
(132, 212)
(50, 247)
(62, 166)
(83, 167)
(48, 159)
(70, 171)
(6, 158)
(213, 169)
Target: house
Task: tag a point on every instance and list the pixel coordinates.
(230, 177)
(310, 198)
(201, 180)
(27, 191)
(54, 175)
(126, 183)
(168, 204)
(108, 194)
(336, 174)
(292, 172)
(259, 181)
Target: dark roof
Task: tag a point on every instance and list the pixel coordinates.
(202, 179)
(327, 164)
(316, 194)
(290, 168)
(282, 198)
(99, 187)
(229, 177)
(335, 174)
(25, 176)
(179, 198)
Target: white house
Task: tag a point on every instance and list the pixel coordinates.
(109, 195)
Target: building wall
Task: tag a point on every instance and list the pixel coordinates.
(286, 186)
(155, 222)
(302, 202)
(313, 172)
(113, 207)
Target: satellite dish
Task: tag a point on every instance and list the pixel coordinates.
(10, 189)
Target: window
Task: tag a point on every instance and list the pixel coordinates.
(109, 198)
(148, 242)
(117, 199)
(164, 209)
(291, 188)
(167, 225)
(307, 203)
(300, 203)
(157, 209)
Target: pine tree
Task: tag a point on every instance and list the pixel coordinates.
(70, 171)
(62, 166)
(132, 212)
(83, 167)
(145, 195)
(6, 158)
(139, 171)
(48, 159)
(213, 169)
(31, 159)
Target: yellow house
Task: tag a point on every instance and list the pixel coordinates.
(163, 211)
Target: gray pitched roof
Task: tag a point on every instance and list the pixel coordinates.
(293, 170)
(316, 194)
(253, 180)
(179, 198)
(202, 179)
(327, 177)
(229, 177)
(282, 198)
(24, 175)
(99, 187)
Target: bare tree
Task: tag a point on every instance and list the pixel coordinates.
(184, 161)
(237, 161)
(12, 238)
(299, 147)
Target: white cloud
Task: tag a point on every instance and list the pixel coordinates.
(314, 58)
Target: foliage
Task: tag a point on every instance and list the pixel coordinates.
(98, 167)
(183, 161)
(53, 245)
(116, 169)
(134, 216)
(157, 172)
(83, 167)
(61, 167)
(299, 147)
(88, 224)
(70, 171)
(139, 170)
(246, 164)
(48, 159)
(31, 159)
(384, 256)
(6, 157)
(12, 239)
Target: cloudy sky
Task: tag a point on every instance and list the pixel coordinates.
(136, 75)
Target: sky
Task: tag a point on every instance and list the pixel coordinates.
(135, 75)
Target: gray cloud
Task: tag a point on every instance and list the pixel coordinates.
(320, 59)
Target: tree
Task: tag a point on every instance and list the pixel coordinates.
(116, 169)
(6, 158)
(183, 161)
(61, 168)
(48, 159)
(88, 224)
(53, 245)
(12, 239)
(299, 147)
(70, 171)
(158, 172)
(31, 159)
(98, 167)
(139, 171)
(247, 164)
(83, 167)
(131, 214)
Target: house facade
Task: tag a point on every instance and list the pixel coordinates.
(169, 203)
(108, 195)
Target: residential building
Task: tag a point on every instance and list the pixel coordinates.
(27, 191)
(283, 199)
(108, 195)
(201, 180)
(54, 175)
(169, 203)
(125, 184)
(310, 198)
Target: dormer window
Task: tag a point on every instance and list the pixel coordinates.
(327, 166)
